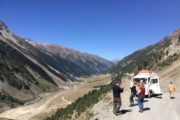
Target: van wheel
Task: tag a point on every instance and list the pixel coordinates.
(150, 94)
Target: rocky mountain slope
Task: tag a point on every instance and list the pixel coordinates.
(151, 57)
(26, 70)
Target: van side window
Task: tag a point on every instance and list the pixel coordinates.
(154, 81)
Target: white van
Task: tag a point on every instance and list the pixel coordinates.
(151, 82)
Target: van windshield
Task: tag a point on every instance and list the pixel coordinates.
(141, 79)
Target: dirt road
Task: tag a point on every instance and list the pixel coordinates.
(156, 108)
(26, 112)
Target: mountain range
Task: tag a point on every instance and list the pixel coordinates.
(28, 68)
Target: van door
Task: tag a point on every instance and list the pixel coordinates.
(155, 86)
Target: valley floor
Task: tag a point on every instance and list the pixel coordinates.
(50, 102)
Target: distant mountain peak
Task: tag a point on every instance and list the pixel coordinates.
(116, 60)
(3, 26)
(34, 43)
(176, 32)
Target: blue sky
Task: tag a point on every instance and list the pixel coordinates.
(108, 28)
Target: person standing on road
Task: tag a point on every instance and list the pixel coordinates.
(171, 89)
(141, 95)
(133, 94)
(117, 90)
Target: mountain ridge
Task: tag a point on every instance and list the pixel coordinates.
(151, 57)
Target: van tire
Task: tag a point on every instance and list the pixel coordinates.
(150, 94)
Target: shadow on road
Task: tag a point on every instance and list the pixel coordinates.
(124, 111)
(172, 97)
(158, 96)
(135, 104)
(146, 109)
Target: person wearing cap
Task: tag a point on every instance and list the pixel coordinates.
(141, 95)
(117, 90)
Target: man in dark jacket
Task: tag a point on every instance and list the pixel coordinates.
(117, 90)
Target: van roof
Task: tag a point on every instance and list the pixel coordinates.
(145, 74)
(145, 71)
